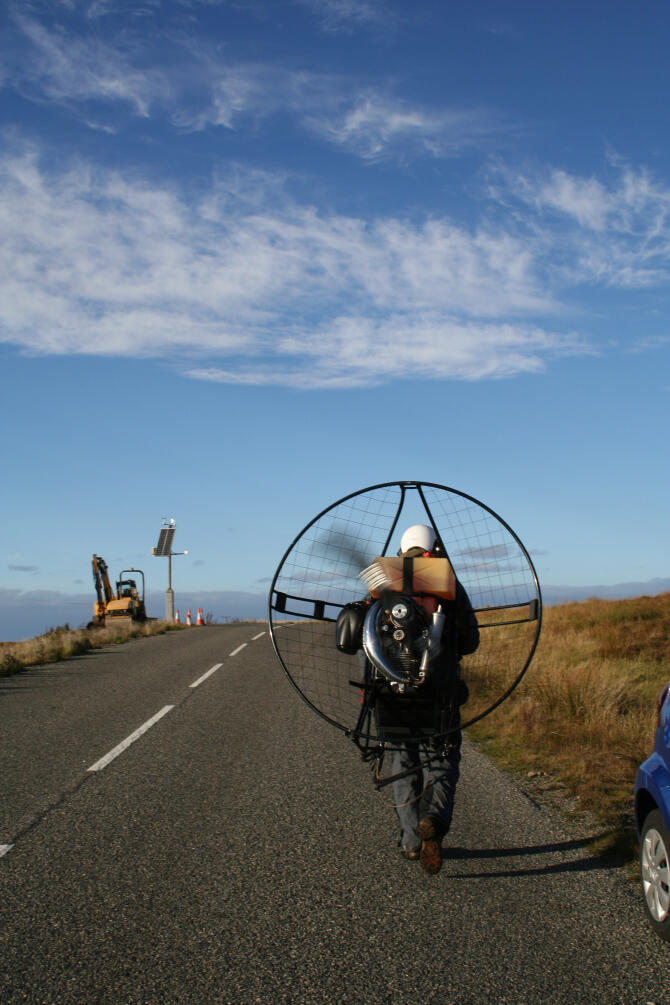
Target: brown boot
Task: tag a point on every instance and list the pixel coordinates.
(431, 846)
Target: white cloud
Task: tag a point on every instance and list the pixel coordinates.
(232, 95)
(371, 123)
(254, 288)
(240, 90)
(360, 352)
(649, 343)
(374, 125)
(347, 15)
(586, 200)
(202, 89)
(616, 234)
(65, 68)
(257, 292)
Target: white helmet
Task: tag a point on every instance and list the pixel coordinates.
(420, 536)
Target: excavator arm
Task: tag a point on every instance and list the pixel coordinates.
(103, 589)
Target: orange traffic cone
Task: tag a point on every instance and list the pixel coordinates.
(188, 616)
(176, 617)
(200, 620)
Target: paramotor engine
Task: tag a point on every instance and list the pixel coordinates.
(357, 629)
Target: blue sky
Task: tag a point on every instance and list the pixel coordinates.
(258, 255)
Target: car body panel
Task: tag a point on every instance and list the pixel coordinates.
(652, 781)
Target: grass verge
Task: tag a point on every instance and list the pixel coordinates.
(64, 642)
(583, 717)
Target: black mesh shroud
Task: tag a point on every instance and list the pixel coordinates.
(319, 575)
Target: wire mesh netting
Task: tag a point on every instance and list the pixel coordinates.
(320, 573)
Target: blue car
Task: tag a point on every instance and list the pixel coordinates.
(652, 821)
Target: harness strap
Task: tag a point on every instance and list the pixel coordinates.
(407, 575)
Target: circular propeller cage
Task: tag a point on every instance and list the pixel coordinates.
(320, 573)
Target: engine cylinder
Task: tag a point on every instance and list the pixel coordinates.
(396, 657)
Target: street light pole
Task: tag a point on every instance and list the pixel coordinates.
(164, 550)
(169, 593)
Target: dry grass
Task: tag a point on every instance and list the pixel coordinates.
(64, 642)
(584, 714)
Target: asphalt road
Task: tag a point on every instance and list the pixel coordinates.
(237, 852)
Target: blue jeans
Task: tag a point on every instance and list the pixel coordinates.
(428, 792)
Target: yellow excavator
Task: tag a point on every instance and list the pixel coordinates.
(124, 605)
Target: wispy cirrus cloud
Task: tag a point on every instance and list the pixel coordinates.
(348, 15)
(616, 234)
(192, 87)
(371, 122)
(376, 125)
(267, 291)
(233, 95)
(73, 68)
(332, 14)
(95, 263)
(361, 352)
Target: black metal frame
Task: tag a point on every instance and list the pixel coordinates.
(432, 746)
(279, 604)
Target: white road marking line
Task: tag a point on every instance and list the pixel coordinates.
(104, 761)
(217, 666)
(4, 848)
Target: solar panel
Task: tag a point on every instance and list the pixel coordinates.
(164, 546)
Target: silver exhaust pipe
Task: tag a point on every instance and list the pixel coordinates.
(399, 676)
